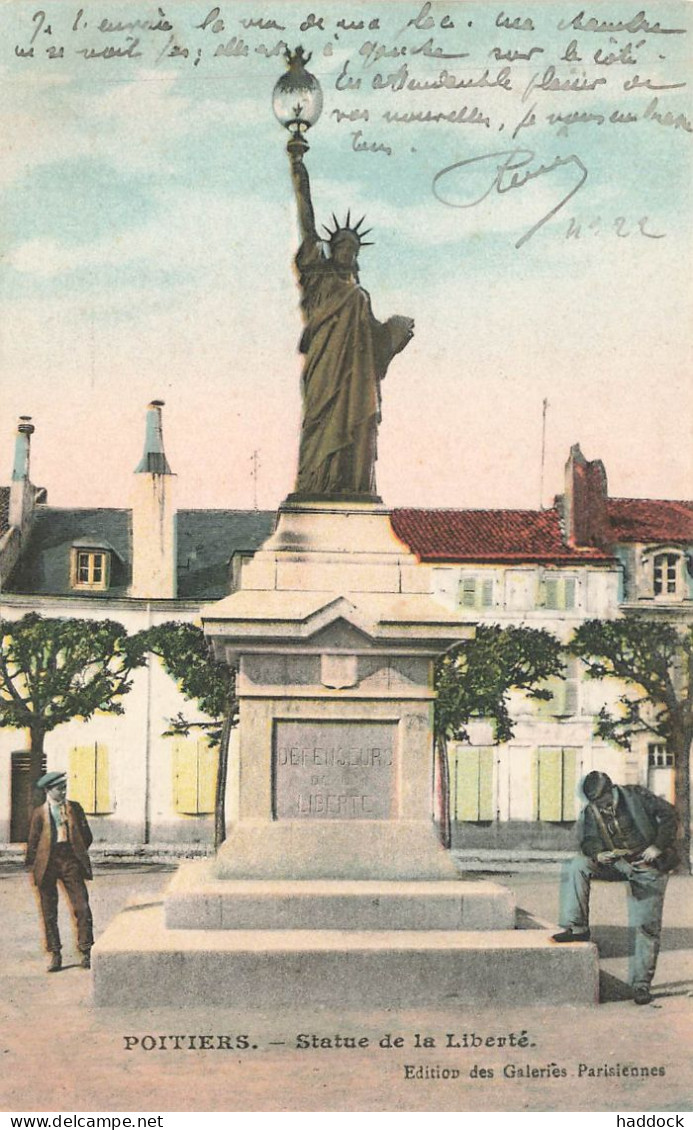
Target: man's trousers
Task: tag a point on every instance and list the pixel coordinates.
(63, 866)
(645, 903)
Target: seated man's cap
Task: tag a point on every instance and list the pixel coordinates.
(48, 780)
(595, 784)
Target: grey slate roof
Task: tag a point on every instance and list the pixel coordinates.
(206, 541)
(44, 566)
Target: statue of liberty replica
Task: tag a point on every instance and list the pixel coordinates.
(347, 350)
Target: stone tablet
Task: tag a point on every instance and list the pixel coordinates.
(334, 770)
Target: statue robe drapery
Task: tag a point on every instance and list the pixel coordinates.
(347, 352)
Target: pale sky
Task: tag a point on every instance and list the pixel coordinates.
(148, 230)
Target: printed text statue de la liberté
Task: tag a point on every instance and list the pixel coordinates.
(347, 350)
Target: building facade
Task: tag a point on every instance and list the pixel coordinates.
(588, 556)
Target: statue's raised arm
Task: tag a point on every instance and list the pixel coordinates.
(301, 182)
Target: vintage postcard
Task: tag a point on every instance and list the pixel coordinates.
(336, 338)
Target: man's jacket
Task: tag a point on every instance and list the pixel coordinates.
(654, 818)
(42, 837)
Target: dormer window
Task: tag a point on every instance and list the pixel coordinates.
(90, 568)
(665, 573)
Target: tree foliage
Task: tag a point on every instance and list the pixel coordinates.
(474, 679)
(187, 658)
(186, 655)
(655, 660)
(54, 670)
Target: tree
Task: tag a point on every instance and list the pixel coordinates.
(54, 670)
(474, 679)
(655, 659)
(187, 658)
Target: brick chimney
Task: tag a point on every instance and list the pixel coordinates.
(21, 490)
(154, 516)
(584, 502)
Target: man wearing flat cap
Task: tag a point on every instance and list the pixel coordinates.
(57, 849)
(626, 834)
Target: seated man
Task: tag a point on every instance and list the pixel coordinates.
(626, 833)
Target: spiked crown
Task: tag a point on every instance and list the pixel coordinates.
(339, 231)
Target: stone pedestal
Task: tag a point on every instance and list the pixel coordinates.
(332, 882)
(333, 632)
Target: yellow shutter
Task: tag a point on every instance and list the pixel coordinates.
(185, 775)
(208, 767)
(486, 784)
(452, 779)
(195, 768)
(474, 790)
(467, 784)
(102, 790)
(569, 783)
(82, 777)
(549, 784)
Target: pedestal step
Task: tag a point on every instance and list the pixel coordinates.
(197, 900)
(139, 961)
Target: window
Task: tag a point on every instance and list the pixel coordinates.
(195, 768)
(658, 757)
(471, 783)
(665, 573)
(558, 592)
(476, 592)
(555, 784)
(89, 779)
(90, 568)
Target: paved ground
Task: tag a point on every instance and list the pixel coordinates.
(58, 1053)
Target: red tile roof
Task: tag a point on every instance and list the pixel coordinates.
(489, 535)
(535, 535)
(650, 520)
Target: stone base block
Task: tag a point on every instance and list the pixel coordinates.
(139, 963)
(196, 900)
(337, 849)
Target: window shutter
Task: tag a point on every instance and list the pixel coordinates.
(474, 784)
(467, 784)
(550, 707)
(102, 789)
(453, 782)
(570, 757)
(487, 592)
(570, 587)
(185, 776)
(555, 783)
(82, 777)
(208, 766)
(549, 784)
(195, 768)
(486, 784)
(551, 593)
(468, 592)
(570, 698)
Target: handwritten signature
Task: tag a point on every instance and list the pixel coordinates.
(508, 169)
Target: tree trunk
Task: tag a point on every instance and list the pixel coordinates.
(222, 775)
(442, 778)
(36, 767)
(681, 748)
